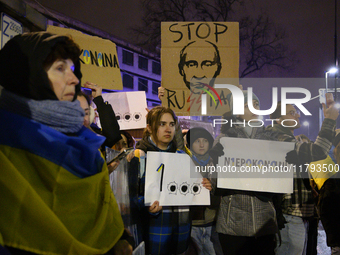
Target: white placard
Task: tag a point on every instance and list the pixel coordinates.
(171, 181)
(243, 155)
(129, 107)
(9, 28)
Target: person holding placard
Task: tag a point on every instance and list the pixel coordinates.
(246, 220)
(166, 230)
(85, 102)
(328, 184)
(199, 142)
(299, 205)
(108, 121)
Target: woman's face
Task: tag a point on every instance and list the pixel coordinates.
(200, 146)
(165, 132)
(62, 79)
(86, 108)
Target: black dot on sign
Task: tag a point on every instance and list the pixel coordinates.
(127, 117)
(136, 116)
(172, 188)
(195, 188)
(117, 117)
(184, 188)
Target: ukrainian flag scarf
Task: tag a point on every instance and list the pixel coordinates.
(55, 195)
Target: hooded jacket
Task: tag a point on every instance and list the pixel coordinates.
(55, 190)
(21, 65)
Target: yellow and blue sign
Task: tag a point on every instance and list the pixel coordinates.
(99, 60)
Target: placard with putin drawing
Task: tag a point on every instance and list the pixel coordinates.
(193, 56)
(170, 181)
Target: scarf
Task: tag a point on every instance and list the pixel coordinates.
(202, 160)
(63, 116)
(158, 149)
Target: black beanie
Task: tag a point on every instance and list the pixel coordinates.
(198, 132)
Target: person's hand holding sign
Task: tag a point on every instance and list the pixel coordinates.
(161, 92)
(207, 184)
(155, 207)
(96, 89)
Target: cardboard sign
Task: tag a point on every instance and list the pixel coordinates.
(98, 58)
(170, 181)
(193, 56)
(245, 167)
(129, 107)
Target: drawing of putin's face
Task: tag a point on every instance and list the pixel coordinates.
(199, 66)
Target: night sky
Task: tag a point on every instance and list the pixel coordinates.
(309, 24)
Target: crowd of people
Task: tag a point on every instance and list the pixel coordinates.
(55, 188)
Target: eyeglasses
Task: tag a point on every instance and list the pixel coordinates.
(293, 113)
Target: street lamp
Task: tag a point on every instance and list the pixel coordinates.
(332, 70)
(306, 124)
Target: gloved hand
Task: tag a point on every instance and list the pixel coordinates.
(292, 158)
(277, 202)
(216, 152)
(281, 221)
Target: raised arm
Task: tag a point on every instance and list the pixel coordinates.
(108, 121)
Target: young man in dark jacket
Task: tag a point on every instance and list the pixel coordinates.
(299, 204)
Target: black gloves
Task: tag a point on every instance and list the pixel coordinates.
(277, 202)
(292, 158)
(216, 152)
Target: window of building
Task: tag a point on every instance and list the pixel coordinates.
(127, 57)
(155, 86)
(143, 63)
(156, 67)
(127, 81)
(142, 84)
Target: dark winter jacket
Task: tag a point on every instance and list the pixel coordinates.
(110, 127)
(300, 202)
(246, 213)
